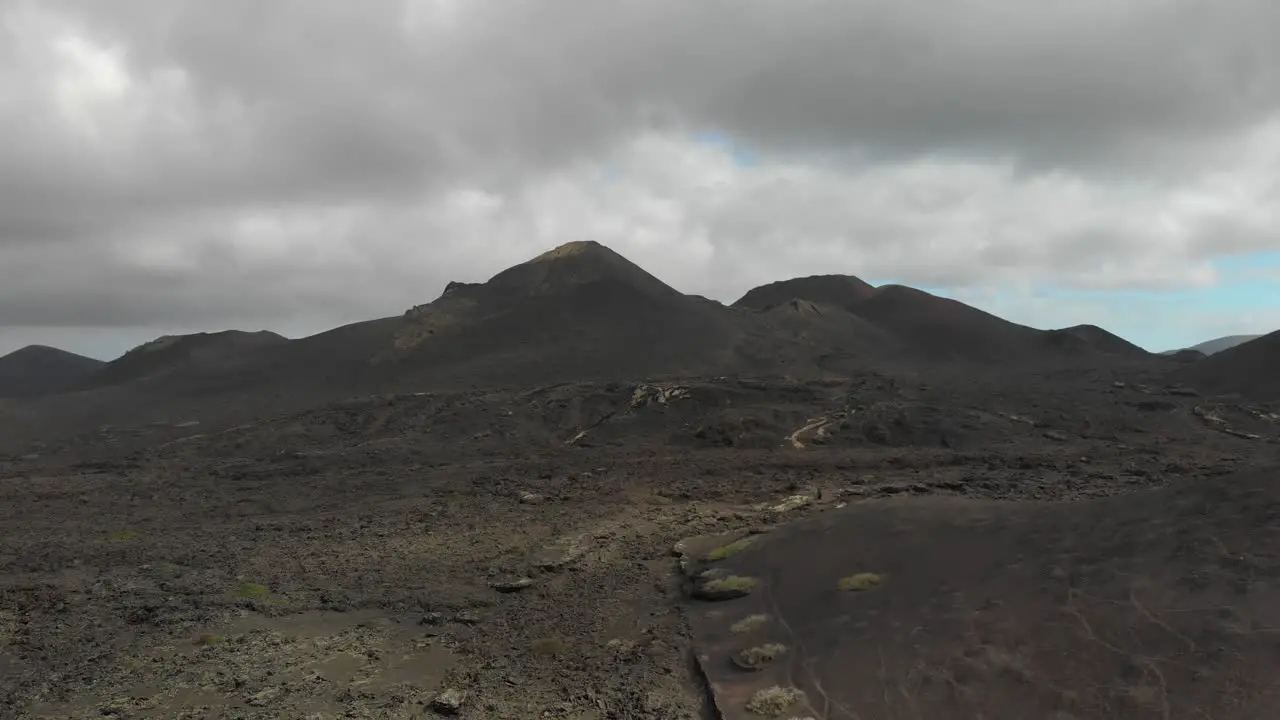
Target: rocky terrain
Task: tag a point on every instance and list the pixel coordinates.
(642, 504)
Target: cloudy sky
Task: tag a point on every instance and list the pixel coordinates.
(174, 166)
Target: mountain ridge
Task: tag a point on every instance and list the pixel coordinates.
(1216, 345)
(938, 327)
(37, 370)
(579, 312)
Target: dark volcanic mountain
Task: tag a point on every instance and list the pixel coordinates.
(577, 312)
(1251, 369)
(937, 328)
(580, 311)
(1217, 345)
(39, 370)
(206, 352)
(945, 329)
(842, 291)
(1091, 338)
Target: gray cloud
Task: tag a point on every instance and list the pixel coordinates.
(300, 164)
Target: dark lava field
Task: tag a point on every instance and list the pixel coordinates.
(574, 492)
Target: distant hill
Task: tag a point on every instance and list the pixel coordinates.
(176, 353)
(937, 328)
(1091, 338)
(40, 370)
(1251, 369)
(1185, 356)
(1209, 347)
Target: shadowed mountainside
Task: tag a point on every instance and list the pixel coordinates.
(842, 291)
(580, 312)
(1217, 345)
(41, 370)
(211, 352)
(1251, 369)
(938, 328)
(1087, 338)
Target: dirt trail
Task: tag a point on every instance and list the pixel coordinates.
(811, 429)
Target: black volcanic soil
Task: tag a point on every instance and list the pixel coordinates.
(1154, 604)
(359, 559)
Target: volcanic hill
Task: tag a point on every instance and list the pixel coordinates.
(1251, 369)
(39, 370)
(200, 352)
(1217, 345)
(940, 329)
(580, 311)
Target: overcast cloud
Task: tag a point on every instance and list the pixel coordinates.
(297, 164)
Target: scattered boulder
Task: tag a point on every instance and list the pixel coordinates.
(466, 617)
(449, 701)
(794, 502)
(512, 585)
(646, 394)
(558, 554)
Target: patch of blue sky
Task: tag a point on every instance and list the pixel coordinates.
(1244, 300)
(1248, 292)
(723, 141)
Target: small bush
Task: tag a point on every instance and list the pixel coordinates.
(859, 582)
(750, 623)
(726, 551)
(125, 535)
(757, 657)
(251, 590)
(774, 701)
(209, 639)
(730, 583)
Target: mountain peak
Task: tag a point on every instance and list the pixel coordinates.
(843, 291)
(45, 352)
(33, 350)
(572, 265)
(40, 369)
(574, 248)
